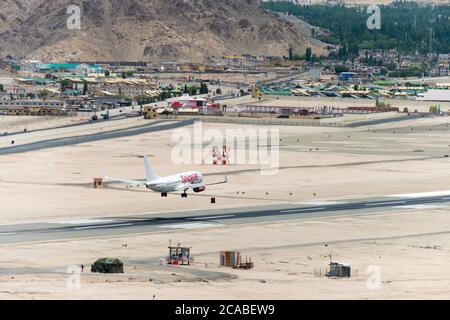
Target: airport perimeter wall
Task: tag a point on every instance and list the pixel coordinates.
(264, 121)
(353, 120)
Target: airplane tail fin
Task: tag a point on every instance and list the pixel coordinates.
(149, 170)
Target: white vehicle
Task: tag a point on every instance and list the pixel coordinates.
(179, 182)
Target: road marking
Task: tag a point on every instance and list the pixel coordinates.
(81, 221)
(383, 203)
(191, 225)
(306, 209)
(214, 217)
(422, 206)
(104, 226)
(422, 194)
(319, 203)
(8, 234)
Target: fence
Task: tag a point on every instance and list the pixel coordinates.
(299, 122)
(264, 121)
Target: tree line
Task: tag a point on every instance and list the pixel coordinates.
(406, 26)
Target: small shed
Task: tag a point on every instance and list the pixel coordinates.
(107, 265)
(98, 183)
(230, 259)
(233, 260)
(339, 270)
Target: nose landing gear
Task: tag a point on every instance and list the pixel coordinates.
(184, 195)
(164, 194)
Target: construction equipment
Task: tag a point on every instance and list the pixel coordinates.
(150, 113)
(256, 92)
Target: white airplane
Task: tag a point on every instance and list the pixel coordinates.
(179, 182)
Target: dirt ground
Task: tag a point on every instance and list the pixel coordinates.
(409, 247)
(399, 255)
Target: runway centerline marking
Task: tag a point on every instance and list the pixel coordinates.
(191, 225)
(104, 226)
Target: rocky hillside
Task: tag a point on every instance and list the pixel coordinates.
(150, 30)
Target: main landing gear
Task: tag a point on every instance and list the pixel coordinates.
(183, 195)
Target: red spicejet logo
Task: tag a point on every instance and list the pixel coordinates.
(191, 178)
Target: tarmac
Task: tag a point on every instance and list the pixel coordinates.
(203, 219)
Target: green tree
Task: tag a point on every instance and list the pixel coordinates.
(406, 26)
(85, 87)
(203, 88)
(340, 68)
(64, 85)
(308, 54)
(42, 94)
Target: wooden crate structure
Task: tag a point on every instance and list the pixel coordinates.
(230, 258)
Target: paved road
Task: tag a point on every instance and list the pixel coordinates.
(119, 133)
(204, 219)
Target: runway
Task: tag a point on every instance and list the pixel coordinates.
(161, 125)
(210, 218)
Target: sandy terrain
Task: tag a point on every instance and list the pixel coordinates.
(321, 161)
(12, 124)
(410, 245)
(409, 249)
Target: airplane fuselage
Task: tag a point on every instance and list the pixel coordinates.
(181, 181)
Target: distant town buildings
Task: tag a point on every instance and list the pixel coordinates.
(33, 107)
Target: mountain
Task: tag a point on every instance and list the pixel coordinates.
(148, 30)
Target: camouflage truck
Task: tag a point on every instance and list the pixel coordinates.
(107, 265)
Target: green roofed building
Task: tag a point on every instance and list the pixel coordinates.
(79, 68)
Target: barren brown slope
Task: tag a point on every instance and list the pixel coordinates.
(152, 30)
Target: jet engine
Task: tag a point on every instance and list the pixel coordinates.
(199, 189)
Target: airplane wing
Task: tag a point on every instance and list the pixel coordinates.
(132, 182)
(216, 183)
(193, 186)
